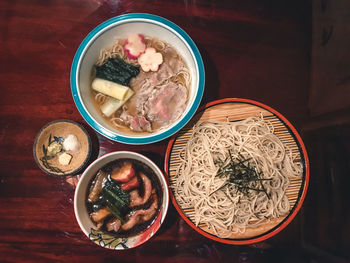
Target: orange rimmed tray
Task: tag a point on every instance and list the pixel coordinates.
(233, 109)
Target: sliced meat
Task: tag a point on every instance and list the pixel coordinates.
(171, 57)
(165, 72)
(169, 68)
(124, 114)
(157, 101)
(134, 220)
(134, 123)
(167, 104)
(99, 216)
(141, 216)
(139, 123)
(135, 198)
(113, 224)
(137, 82)
(158, 105)
(151, 211)
(144, 124)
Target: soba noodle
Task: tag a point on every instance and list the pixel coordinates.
(227, 210)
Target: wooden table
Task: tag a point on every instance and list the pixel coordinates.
(250, 49)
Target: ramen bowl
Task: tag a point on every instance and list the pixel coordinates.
(104, 36)
(101, 236)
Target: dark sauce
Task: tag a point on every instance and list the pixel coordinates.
(138, 167)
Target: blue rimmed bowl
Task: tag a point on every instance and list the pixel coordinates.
(103, 36)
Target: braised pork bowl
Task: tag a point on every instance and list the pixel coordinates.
(121, 200)
(137, 78)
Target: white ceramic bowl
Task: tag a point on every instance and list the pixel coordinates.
(104, 36)
(108, 240)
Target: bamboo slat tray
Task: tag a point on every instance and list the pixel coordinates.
(234, 110)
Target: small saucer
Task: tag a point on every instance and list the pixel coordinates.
(56, 132)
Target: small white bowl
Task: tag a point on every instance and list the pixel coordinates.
(104, 36)
(106, 239)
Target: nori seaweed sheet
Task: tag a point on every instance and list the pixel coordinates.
(117, 70)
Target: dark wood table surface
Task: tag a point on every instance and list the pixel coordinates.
(253, 49)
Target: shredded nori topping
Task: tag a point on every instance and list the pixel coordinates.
(242, 176)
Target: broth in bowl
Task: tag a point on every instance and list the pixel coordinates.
(121, 200)
(124, 197)
(140, 84)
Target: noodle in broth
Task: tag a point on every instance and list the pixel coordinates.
(182, 77)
